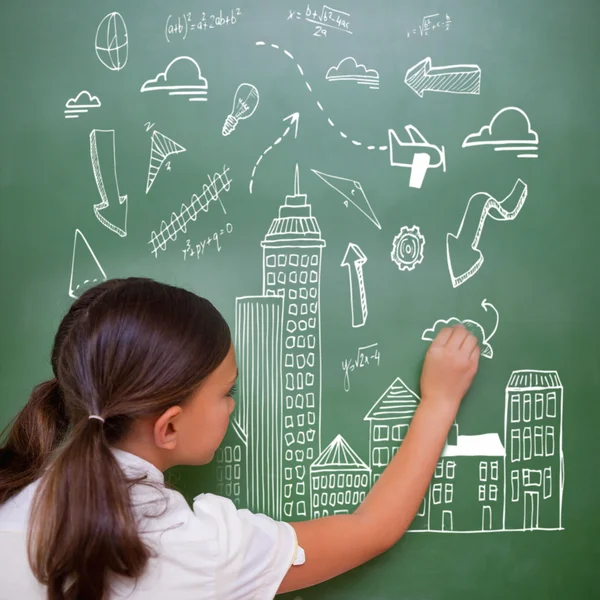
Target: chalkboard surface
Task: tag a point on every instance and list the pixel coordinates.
(340, 180)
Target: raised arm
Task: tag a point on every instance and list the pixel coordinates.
(339, 543)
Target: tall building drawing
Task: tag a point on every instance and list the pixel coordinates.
(534, 463)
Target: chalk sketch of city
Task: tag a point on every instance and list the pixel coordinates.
(219, 183)
(161, 147)
(510, 130)
(452, 79)
(112, 42)
(354, 259)
(348, 69)
(418, 154)
(462, 249)
(81, 104)
(86, 270)
(182, 77)
(112, 214)
(353, 193)
(408, 247)
(473, 326)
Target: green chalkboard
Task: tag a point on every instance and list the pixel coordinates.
(339, 180)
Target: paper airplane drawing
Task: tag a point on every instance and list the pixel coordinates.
(353, 193)
(463, 254)
(112, 211)
(85, 268)
(418, 154)
(161, 148)
(453, 79)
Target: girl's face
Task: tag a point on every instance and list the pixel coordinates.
(205, 416)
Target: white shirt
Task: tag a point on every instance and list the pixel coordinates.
(213, 552)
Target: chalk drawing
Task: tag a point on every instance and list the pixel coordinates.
(219, 183)
(453, 79)
(354, 259)
(418, 154)
(509, 130)
(86, 270)
(407, 248)
(182, 77)
(353, 193)
(348, 69)
(112, 42)
(161, 147)
(473, 326)
(294, 119)
(113, 215)
(82, 103)
(463, 254)
(364, 355)
(245, 103)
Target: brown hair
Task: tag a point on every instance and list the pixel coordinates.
(127, 348)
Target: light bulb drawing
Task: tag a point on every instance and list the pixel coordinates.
(245, 103)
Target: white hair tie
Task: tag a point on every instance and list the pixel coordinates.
(96, 417)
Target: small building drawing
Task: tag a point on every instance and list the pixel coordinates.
(230, 459)
(466, 491)
(534, 463)
(339, 480)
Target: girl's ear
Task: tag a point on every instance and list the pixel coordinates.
(165, 428)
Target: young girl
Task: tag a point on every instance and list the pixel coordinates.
(143, 378)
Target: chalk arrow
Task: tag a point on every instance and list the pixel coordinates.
(453, 79)
(354, 259)
(485, 304)
(112, 215)
(294, 119)
(463, 254)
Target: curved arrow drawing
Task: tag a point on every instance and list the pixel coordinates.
(112, 215)
(418, 154)
(485, 305)
(463, 254)
(294, 119)
(354, 259)
(453, 79)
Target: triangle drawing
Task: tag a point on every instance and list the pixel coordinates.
(86, 271)
(397, 402)
(161, 148)
(339, 454)
(353, 192)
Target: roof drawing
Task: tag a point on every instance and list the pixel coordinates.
(397, 402)
(340, 455)
(485, 444)
(530, 379)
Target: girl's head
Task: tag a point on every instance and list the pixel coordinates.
(157, 364)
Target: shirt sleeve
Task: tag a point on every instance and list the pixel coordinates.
(254, 551)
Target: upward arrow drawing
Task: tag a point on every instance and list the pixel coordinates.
(453, 79)
(354, 259)
(463, 254)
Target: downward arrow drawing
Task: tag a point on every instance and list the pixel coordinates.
(112, 215)
(354, 259)
(418, 154)
(294, 119)
(464, 256)
(453, 79)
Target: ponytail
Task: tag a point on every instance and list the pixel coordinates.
(82, 528)
(31, 438)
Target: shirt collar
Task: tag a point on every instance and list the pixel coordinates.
(135, 466)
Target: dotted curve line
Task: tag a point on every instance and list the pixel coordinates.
(265, 153)
(331, 123)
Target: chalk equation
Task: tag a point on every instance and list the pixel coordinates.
(430, 23)
(213, 241)
(186, 23)
(364, 354)
(327, 19)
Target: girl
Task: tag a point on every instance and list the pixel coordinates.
(143, 380)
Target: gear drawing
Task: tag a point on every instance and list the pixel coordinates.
(407, 248)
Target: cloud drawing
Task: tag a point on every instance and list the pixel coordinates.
(182, 76)
(83, 100)
(348, 69)
(475, 328)
(509, 126)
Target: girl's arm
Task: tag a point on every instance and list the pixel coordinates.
(339, 543)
